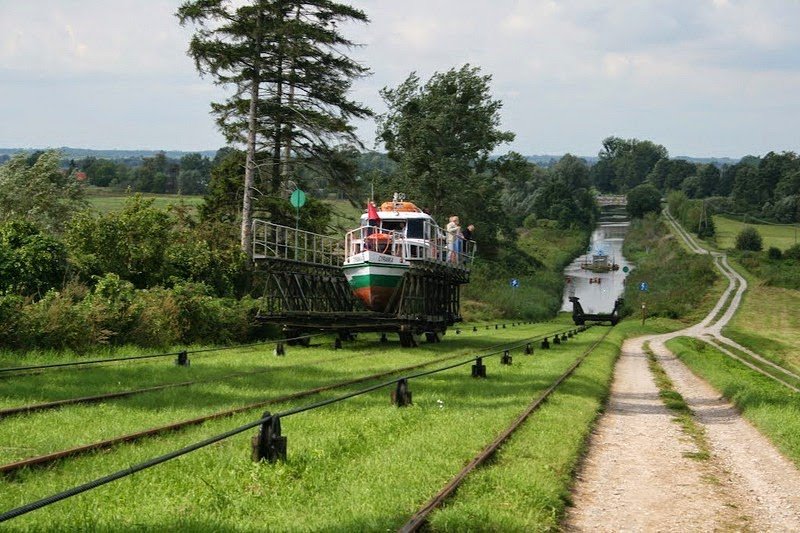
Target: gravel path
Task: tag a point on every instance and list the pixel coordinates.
(637, 475)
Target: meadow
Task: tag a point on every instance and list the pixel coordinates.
(105, 200)
(727, 229)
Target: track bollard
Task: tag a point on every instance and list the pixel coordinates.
(506, 358)
(280, 349)
(528, 349)
(478, 369)
(545, 344)
(401, 396)
(182, 359)
(268, 444)
(337, 343)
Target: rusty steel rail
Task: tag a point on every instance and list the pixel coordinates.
(30, 408)
(420, 517)
(49, 458)
(36, 369)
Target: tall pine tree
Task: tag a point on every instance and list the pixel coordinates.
(287, 63)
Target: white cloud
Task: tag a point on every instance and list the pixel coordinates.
(700, 77)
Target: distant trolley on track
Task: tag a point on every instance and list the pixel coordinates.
(395, 273)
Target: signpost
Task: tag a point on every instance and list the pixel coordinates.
(643, 286)
(298, 200)
(514, 283)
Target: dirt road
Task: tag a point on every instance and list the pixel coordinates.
(640, 473)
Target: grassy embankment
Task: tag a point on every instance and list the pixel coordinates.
(682, 285)
(540, 290)
(767, 320)
(105, 200)
(362, 464)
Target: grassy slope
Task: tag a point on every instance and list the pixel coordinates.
(768, 321)
(538, 296)
(771, 407)
(779, 236)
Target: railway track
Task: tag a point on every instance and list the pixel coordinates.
(419, 519)
(55, 404)
(50, 458)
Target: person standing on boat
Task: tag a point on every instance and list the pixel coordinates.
(453, 237)
(467, 234)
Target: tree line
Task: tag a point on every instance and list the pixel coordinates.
(767, 186)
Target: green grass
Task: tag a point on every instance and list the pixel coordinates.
(346, 449)
(767, 321)
(683, 285)
(358, 465)
(771, 407)
(555, 248)
(778, 236)
(540, 293)
(677, 404)
(104, 200)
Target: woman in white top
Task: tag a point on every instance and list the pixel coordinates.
(453, 234)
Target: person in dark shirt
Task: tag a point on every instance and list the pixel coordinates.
(467, 233)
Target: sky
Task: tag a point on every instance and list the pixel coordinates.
(702, 77)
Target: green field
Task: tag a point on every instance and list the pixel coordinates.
(778, 236)
(358, 465)
(768, 322)
(105, 200)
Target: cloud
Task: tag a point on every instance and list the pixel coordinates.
(700, 76)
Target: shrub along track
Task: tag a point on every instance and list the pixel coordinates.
(52, 457)
(639, 459)
(296, 410)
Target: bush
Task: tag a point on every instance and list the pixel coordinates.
(60, 320)
(31, 262)
(10, 313)
(774, 253)
(793, 252)
(749, 239)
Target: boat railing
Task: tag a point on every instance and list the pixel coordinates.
(274, 241)
(371, 238)
(374, 239)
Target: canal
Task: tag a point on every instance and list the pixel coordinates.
(598, 290)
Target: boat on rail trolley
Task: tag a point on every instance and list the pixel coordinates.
(395, 272)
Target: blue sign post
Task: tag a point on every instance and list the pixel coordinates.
(514, 283)
(643, 286)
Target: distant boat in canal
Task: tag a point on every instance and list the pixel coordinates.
(598, 262)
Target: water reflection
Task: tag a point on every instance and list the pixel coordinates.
(598, 290)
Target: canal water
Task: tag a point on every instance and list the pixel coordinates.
(598, 290)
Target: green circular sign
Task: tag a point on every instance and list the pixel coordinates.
(625, 269)
(298, 198)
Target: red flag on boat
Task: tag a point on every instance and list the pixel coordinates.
(372, 214)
